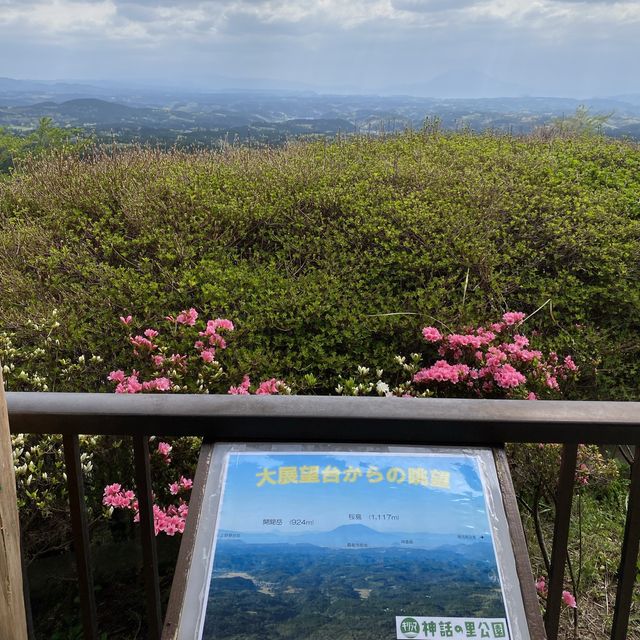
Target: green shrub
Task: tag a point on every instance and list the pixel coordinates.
(311, 247)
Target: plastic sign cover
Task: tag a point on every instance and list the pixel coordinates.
(317, 542)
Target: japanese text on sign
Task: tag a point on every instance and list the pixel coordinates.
(330, 474)
(420, 627)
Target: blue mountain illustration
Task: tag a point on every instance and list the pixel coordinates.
(359, 536)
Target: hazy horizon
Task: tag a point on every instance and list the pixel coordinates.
(455, 48)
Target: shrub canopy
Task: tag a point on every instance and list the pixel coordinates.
(332, 255)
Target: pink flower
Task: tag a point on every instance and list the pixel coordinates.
(208, 355)
(186, 483)
(431, 334)
(513, 317)
(532, 396)
(158, 360)
(215, 339)
(569, 599)
(223, 323)
(150, 333)
(187, 317)
(442, 371)
(113, 496)
(178, 360)
(164, 448)
(552, 382)
(541, 585)
(521, 341)
(112, 489)
(174, 488)
(157, 384)
(570, 364)
(126, 321)
(163, 384)
(142, 343)
(268, 387)
(129, 384)
(507, 377)
(116, 376)
(242, 389)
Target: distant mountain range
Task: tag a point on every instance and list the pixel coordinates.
(173, 117)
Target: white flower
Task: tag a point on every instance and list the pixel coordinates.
(382, 388)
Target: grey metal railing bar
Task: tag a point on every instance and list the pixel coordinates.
(628, 559)
(327, 418)
(80, 531)
(564, 499)
(147, 535)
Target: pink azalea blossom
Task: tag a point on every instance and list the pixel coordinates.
(269, 387)
(532, 396)
(431, 334)
(142, 343)
(552, 382)
(208, 355)
(442, 371)
(150, 333)
(513, 317)
(112, 489)
(157, 384)
(541, 585)
(164, 448)
(187, 317)
(116, 376)
(569, 599)
(242, 389)
(507, 377)
(129, 384)
(158, 360)
(126, 321)
(178, 360)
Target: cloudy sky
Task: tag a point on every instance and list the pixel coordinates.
(576, 48)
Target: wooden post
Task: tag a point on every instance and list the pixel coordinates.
(13, 620)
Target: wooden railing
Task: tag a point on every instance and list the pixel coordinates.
(338, 420)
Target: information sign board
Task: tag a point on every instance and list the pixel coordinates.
(312, 542)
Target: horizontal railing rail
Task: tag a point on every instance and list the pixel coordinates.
(272, 418)
(339, 420)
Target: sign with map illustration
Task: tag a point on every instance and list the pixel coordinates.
(354, 544)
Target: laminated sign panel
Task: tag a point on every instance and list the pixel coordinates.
(317, 541)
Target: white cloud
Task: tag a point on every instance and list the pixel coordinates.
(358, 42)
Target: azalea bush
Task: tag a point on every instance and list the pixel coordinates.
(183, 358)
(498, 361)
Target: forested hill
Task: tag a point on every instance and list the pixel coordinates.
(275, 117)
